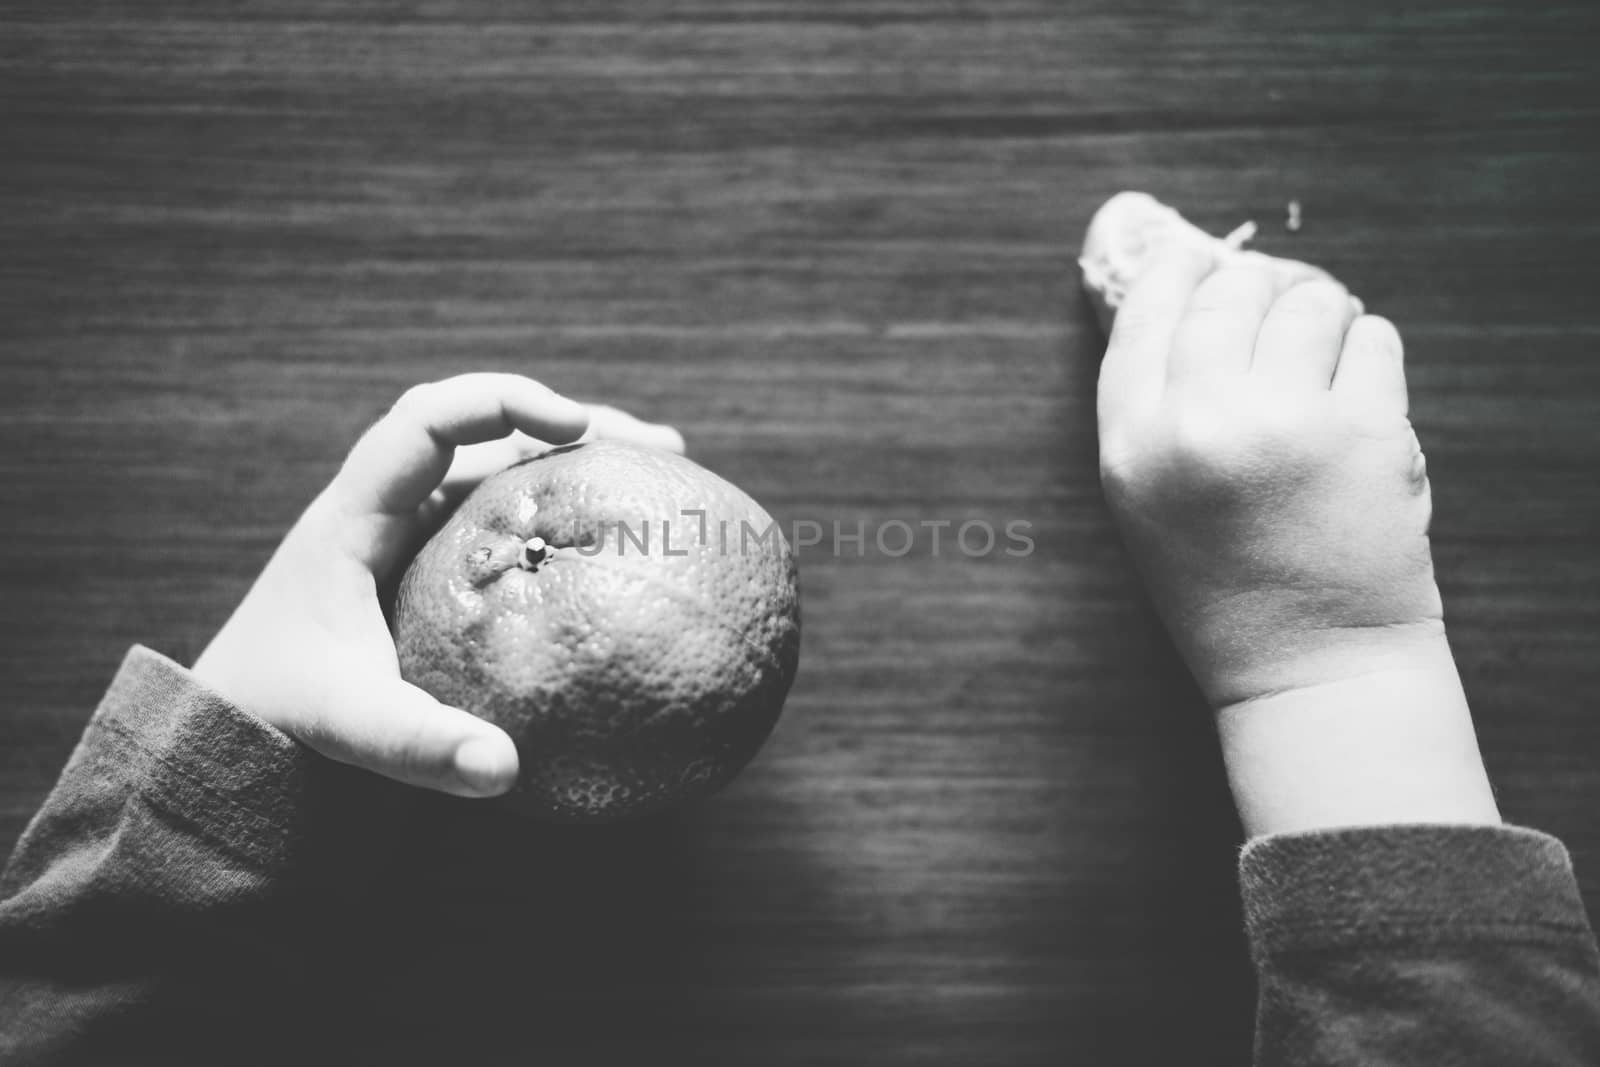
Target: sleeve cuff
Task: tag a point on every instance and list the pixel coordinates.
(1408, 884)
(200, 759)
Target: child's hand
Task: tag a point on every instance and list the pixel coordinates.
(308, 649)
(1256, 453)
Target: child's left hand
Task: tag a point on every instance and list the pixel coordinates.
(308, 649)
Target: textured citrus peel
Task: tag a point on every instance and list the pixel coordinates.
(626, 693)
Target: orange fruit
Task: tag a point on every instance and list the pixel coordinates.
(629, 618)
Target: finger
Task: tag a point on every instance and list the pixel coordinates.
(1135, 367)
(614, 424)
(400, 461)
(1288, 271)
(397, 730)
(1219, 327)
(473, 463)
(1372, 364)
(1303, 333)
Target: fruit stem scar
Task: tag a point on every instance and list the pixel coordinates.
(534, 552)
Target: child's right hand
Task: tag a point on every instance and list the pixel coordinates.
(1256, 453)
(308, 650)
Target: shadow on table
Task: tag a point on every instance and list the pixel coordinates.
(482, 935)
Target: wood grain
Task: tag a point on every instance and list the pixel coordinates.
(834, 242)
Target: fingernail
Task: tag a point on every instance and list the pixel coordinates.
(486, 765)
(577, 418)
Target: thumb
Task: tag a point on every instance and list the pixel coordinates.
(394, 729)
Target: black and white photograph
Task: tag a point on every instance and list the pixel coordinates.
(770, 533)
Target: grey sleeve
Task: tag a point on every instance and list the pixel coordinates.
(146, 908)
(1420, 944)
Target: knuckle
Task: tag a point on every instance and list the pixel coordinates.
(1134, 323)
(1222, 447)
(1225, 288)
(1290, 272)
(416, 398)
(1199, 438)
(1382, 334)
(1315, 298)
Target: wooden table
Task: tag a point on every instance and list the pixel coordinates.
(833, 241)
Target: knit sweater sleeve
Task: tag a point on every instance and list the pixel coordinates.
(145, 904)
(1420, 944)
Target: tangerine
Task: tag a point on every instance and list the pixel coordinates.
(631, 619)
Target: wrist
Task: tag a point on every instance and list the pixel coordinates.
(1385, 740)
